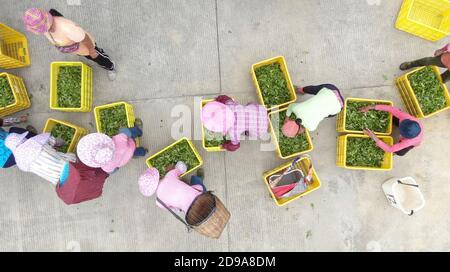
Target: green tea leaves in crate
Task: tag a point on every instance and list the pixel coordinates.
(113, 119)
(428, 90)
(6, 94)
(69, 87)
(273, 85)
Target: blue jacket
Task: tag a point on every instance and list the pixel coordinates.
(5, 153)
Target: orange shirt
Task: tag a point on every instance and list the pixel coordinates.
(67, 33)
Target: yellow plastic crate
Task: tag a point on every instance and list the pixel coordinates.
(175, 143)
(283, 66)
(410, 99)
(275, 138)
(22, 101)
(209, 149)
(13, 48)
(128, 109)
(86, 86)
(304, 164)
(79, 131)
(342, 117)
(341, 157)
(428, 19)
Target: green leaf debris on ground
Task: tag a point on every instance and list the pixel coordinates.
(273, 85)
(64, 132)
(179, 152)
(288, 146)
(363, 152)
(6, 94)
(68, 87)
(428, 90)
(213, 139)
(377, 121)
(113, 119)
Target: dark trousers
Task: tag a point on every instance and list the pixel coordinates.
(402, 152)
(436, 61)
(314, 89)
(102, 59)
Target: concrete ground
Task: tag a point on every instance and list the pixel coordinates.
(170, 54)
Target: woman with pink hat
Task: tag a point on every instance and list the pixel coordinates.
(74, 182)
(203, 211)
(98, 150)
(227, 117)
(67, 36)
(37, 155)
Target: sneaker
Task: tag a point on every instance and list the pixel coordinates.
(405, 66)
(201, 173)
(138, 123)
(112, 74)
(31, 129)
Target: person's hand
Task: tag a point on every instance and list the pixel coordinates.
(93, 53)
(181, 166)
(366, 109)
(369, 133)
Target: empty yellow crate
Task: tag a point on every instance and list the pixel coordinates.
(209, 149)
(428, 19)
(342, 117)
(341, 157)
(86, 86)
(275, 138)
(284, 68)
(410, 99)
(13, 48)
(304, 164)
(21, 99)
(79, 131)
(128, 109)
(170, 146)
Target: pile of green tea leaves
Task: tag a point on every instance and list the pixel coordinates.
(363, 152)
(428, 89)
(377, 121)
(288, 146)
(273, 85)
(112, 120)
(213, 139)
(68, 87)
(179, 152)
(63, 132)
(6, 94)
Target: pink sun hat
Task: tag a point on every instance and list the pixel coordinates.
(96, 150)
(148, 182)
(217, 117)
(14, 140)
(37, 20)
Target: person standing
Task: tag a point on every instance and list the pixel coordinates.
(441, 59)
(67, 37)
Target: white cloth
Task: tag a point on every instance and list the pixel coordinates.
(49, 165)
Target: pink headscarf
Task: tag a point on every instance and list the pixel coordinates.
(37, 20)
